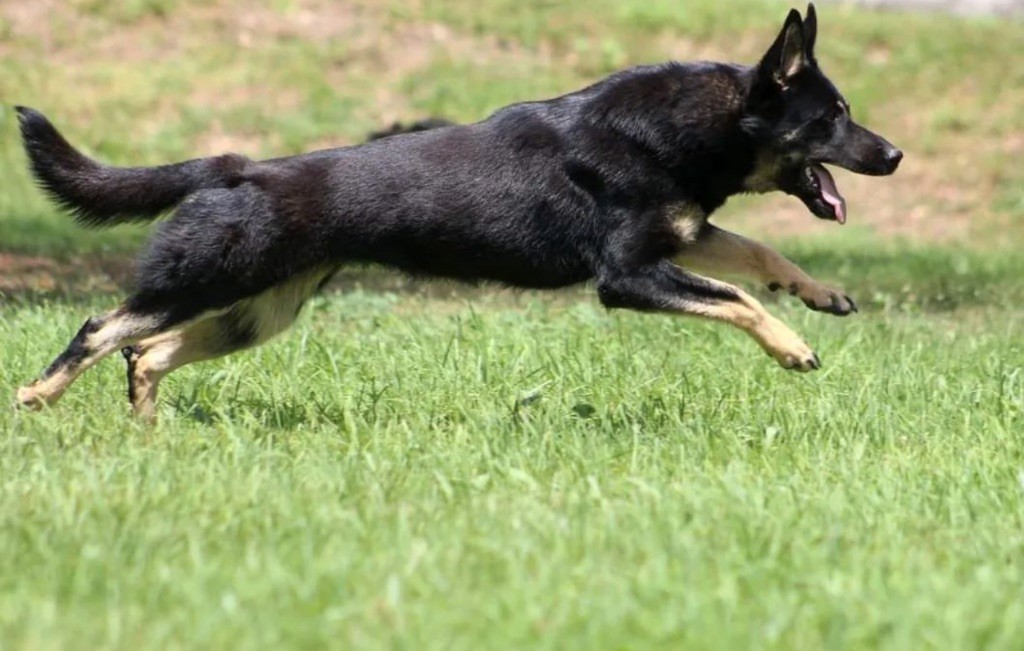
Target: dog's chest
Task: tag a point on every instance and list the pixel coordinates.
(687, 221)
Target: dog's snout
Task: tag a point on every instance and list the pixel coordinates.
(893, 157)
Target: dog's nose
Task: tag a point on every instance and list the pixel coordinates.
(893, 157)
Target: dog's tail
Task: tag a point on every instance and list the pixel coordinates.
(101, 195)
(398, 128)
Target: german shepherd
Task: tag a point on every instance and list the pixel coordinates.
(614, 182)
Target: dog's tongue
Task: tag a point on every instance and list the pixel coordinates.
(830, 193)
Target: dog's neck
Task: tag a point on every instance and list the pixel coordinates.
(688, 118)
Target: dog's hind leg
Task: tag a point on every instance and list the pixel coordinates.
(152, 359)
(97, 338)
(247, 323)
(719, 251)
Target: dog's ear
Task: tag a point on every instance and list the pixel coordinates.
(810, 30)
(788, 54)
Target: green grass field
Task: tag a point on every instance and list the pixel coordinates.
(443, 468)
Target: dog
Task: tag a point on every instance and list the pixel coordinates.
(397, 128)
(613, 184)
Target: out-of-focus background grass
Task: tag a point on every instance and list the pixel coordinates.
(427, 467)
(147, 81)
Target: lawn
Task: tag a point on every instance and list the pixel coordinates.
(513, 471)
(437, 467)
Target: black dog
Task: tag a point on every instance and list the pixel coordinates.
(614, 182)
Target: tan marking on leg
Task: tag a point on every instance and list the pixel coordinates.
(159, 355)
(774, 336)
(720, 251)
(42, 393)
(267, 315)
(146, 373)
(114, 330)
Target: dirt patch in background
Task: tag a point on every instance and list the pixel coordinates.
(33, 275)
(374, 49)
(29, 277)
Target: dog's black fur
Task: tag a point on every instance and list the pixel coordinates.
(397, 128)
(541, 194)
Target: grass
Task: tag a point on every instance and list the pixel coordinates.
(527, 472)
(481, 469)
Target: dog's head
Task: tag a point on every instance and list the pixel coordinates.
(801, 121)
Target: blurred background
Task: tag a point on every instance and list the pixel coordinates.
(150, 81)
(523, 470)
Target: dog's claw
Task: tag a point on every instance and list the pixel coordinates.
(838, 304)
(806, 364)
(803, 365)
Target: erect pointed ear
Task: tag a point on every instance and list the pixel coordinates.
(810, 30)
(787, 56)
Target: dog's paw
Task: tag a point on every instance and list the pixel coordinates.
(820, 298)
(831, 301)
(803, 361)
(28, 397)
(788, 349)
(796, 356)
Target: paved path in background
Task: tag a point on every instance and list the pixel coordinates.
(965, 7)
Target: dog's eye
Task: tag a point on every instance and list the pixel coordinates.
(837, 112)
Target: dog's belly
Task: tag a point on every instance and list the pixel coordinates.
(519, 247)
(471, 264)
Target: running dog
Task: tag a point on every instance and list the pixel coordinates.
(613, 183)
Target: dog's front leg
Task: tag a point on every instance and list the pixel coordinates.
(719, 251)
(665, 287)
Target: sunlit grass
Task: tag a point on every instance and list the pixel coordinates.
(517, 471)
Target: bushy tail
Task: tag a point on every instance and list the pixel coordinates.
(100, 195)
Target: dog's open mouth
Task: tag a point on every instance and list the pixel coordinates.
(821, 180)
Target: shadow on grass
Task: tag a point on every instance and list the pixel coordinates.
(273, 414)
